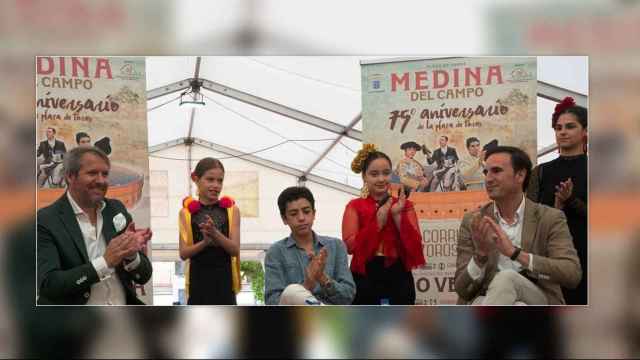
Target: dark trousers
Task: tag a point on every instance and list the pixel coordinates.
(395, 284)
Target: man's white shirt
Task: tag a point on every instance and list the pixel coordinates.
(514, 233)
(109, 290)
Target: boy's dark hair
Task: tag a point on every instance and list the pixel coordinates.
(519, 160)
(294, 193)
(81, 135)
(472, 140)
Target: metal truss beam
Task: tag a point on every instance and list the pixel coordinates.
(259, 161)
(281, 109)
(557, 93)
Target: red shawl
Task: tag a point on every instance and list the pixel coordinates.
(362, 237)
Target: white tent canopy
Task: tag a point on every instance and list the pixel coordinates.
(299, 112)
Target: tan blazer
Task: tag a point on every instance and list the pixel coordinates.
(545, 234)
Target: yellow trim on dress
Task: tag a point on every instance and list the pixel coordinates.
(186, 236)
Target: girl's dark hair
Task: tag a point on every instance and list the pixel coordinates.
(207, 164)
(373, 156)
(578, 111)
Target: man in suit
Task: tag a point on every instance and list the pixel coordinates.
(513, 250)
(444, 155)
(50, 153)
(445, 158)
(89, 251)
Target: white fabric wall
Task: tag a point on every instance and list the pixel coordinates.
(265, 229)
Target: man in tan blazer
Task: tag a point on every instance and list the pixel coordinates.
(513, 250)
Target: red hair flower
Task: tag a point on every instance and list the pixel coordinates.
(566, 103)
(226, 202)
(194, 206)
(191, 204)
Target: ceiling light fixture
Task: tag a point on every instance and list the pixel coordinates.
(192, 96)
